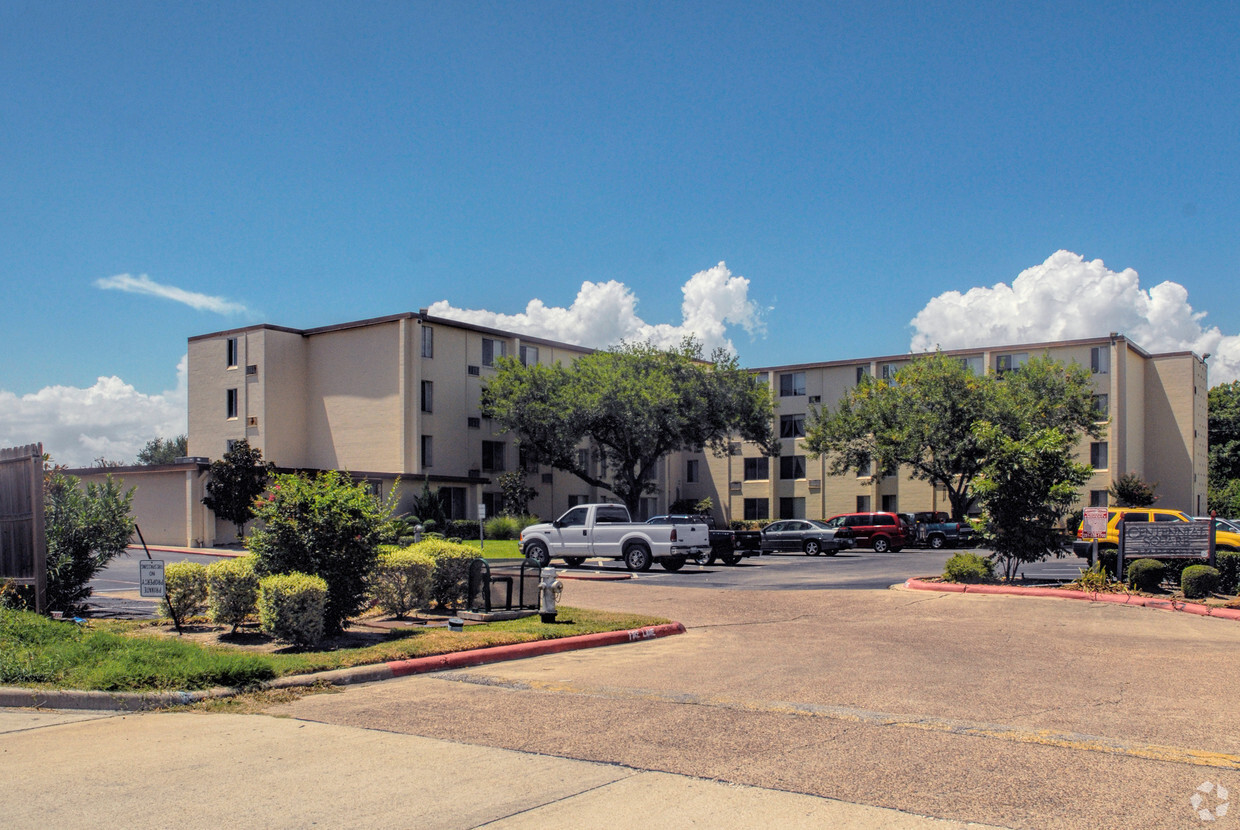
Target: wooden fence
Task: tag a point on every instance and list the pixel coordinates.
(23, 546)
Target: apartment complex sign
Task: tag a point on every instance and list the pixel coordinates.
(1161, 540)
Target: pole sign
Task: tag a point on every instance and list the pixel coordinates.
(1094, 523)
(151, 578)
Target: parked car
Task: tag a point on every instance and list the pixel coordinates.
(881, 531)
(935, 529)
(807, 535)
(722, 541)
(605, 530)
(1223, 539)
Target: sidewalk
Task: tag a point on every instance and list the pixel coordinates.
(208, 771)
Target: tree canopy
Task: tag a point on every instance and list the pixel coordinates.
(630, 406)
(924, 419)
(164, 450)
(235, 482)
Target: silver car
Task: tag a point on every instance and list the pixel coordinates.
(809, 535)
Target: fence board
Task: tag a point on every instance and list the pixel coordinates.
(23, 546)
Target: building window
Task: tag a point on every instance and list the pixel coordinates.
(529, 355)
(866, 469)
(573, 501)
(493, 456)
(428, 396)
(862, 371)
(230, 403)
(792, 508)
(428, 341)
(453, 501)
(1100, 360)
(1100, 407)
(1097, 498)
(791, 384)
(583, 460)
(492, 350)
(473, 423)
(493, 503)
(888, 371)
(527, 458)
(1098, 455)
(863, 504)
(791, 426)
(734, 448)
(232, 353)
(792, 466)
(548, 478)
(426, 451)
(972, 364)
(757, 469)
(757, 510)
(691, 470)
(474, 370)
(761, 378)
(891, 504)
(1010, 362)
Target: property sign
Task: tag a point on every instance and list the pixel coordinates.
(1166, 539)
(151, 578)
(1094, 523)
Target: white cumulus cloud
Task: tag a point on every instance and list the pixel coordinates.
(110, 419)
(142, 284)
(604, 313)
(1066, 298)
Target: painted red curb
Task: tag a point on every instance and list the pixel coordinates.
(496, 654)
(1058, 593)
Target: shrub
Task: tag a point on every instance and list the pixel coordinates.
(464, 528)
(503, 527)
(402, 580)
(232, 590)
(450, 580)
(1096, 580)
(326, 526)
(1146, 574)
(968, 567)
(1199, 581)
(86, 528)
(291, 607)
(186, 591)
(1228, 563)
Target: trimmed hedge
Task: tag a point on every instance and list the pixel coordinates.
(291, 607)
(1199, 581)
(968, 567)
(232, 590)
(185, 595)
(1146, 574)
(450, 580)
(402, 580)
(1228, 562)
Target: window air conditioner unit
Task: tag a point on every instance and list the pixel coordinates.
(815, 484)
(475, 370)
(734, 486)
(251, 421)
(815, 398)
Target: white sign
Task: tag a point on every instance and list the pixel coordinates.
(482, 512)
(151, 578)
(1094, 523)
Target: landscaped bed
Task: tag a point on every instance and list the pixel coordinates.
(111, 655)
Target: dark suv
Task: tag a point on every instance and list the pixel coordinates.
(881, 531)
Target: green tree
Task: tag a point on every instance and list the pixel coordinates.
(631, 405)
(85, 529)
(161, 451)
(235, 482)
(517, 494)
(326, 526)
(1130, 490)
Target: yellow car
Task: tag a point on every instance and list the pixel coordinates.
(1223, 539)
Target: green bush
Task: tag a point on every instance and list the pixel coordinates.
(402, 580)
(291, 607)
(232, 590)
(326, 525)
(503, 527)
(185, 594)
(1146, 574)
(1199, 581)
(450, 581)
(85, 528)
(1228, 563)
(968, 567)
(465, 528)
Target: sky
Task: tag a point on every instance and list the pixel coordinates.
(799, 182)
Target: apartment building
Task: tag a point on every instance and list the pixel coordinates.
(1155, 406)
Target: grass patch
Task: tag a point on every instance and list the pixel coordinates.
(119, 656)
(497, 548)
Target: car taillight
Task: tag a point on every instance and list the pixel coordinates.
(673, 534)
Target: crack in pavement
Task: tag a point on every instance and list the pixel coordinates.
(849, 714)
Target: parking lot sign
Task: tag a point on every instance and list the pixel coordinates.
(151, 578)
(1094, 523)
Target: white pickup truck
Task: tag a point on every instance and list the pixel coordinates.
(605, 530)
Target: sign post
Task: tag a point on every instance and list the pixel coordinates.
(151, 578)
(482, 515)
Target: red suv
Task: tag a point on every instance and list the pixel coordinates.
(881, 531)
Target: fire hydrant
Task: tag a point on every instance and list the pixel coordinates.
(549, 589)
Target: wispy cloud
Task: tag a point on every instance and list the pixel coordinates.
(604, 313)
(142, 284)
(1069, 297)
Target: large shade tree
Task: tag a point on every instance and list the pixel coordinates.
(630, 405)
(236, 480)
(1224, 439)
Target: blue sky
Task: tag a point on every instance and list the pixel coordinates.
(312, 163)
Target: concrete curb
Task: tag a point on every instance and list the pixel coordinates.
(1059, 593)
(141, 701)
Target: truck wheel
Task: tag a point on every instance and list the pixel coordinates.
(731, 558)
(880, 544)
(812, 548)
(574, 561)
(637, 558)
(706, 557)
(674, 564)
(539, 553)
(937, 541)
